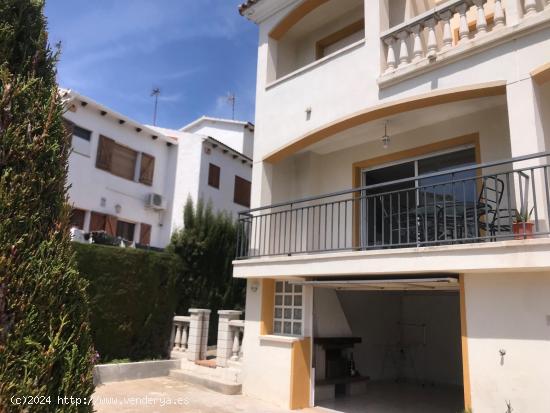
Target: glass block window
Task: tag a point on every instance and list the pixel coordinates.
(287, 316)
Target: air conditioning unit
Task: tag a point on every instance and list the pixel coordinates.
(155, 201)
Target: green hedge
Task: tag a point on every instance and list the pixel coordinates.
(133, 296)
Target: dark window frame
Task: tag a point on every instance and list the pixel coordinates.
(214, 175)
(241, 192)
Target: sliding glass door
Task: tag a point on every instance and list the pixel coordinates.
(399, 210)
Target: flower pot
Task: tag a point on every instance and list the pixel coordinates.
(523, 230)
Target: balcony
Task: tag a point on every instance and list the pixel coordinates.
(454, 30)
(476, 204)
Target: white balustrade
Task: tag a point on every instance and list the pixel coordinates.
(230, 334)
(237, 328)
(180, 333)
(431, 33)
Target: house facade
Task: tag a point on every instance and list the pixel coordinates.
(397, 252)
(132, 180)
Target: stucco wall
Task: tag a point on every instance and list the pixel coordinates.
(509, 312)
(89, 184)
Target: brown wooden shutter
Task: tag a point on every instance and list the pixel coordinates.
(241, 194)
(104, 153)
(147, 169)
(110, 225)
(145, 234)
(214, 175)
(97, 221)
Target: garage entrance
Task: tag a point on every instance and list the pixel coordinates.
(388, 345)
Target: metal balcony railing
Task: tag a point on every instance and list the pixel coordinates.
(494, 201)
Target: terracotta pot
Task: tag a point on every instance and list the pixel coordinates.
(523, 230)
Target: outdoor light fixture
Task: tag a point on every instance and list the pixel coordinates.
(254, 286)
(118, 208)
(386, 139)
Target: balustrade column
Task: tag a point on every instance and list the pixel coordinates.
(236, 344)
(226, 336)
(390, 56)
(447, 33)
(403, 49)
(418, 50)
(530, 7)
(463, 29)
(431, 45)
(177, 336)
(547, 4)
(481, 22)
(183, 342)
(498, 16)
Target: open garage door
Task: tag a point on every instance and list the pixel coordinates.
(389, 343)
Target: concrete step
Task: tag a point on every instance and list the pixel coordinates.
(211, 381)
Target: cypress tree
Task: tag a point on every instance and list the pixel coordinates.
(45, 344)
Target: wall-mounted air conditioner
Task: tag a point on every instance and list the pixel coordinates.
(154, 201)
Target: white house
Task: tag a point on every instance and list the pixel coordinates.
(132, 180)
(387, 267)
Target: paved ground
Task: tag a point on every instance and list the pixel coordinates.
(166, 395)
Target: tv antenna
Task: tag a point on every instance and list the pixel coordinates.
(156, 93)
(231, 99)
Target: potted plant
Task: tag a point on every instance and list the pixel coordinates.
(522, 225)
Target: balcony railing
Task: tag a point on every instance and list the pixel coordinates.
(431, 33)
(494, 201)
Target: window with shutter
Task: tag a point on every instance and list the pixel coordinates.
(97, 221)
(241, 194)
(104, 153)
(125, 230)
(145, 234)
(77, 218)
(147, 169)
(123, 161)
(214, 176)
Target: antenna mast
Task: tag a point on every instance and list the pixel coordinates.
(231, 98)
(155, 93)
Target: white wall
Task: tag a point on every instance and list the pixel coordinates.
(375, 316)
(89, 184)
(509, 312)
(236, 135)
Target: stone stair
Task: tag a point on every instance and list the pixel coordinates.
(222, 380)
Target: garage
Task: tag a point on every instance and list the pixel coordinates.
(390, 344)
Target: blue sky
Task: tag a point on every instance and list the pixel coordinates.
(196, 51)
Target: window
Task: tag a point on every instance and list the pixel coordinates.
(146, 169)
(145, 234)
(82, 133)
(121, 161)
(214, 176)
(287, 317)
(340, 39)
(125, 230)
(77, 218)
(241, 194)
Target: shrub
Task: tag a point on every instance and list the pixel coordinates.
(45, 343)
(206, 246)
(133, 294)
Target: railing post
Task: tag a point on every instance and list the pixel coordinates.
(390, 55)
(225, 342)
(447, 33)
(198, 334)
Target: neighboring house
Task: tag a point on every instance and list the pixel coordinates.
(394, 143)
(132, 180)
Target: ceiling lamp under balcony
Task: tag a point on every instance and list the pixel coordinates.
(386, 138)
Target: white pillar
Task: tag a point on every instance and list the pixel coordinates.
(198, 334)
(418, 50)
(390, 55)
(225, 336)
(498, 18)
(527, 138)
(431, 45)
(530, 7)
(514, 11)
(447, 34)
(403, 48)
(481, 21)
(463, 29)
